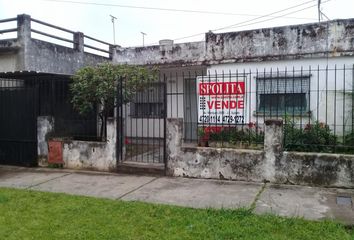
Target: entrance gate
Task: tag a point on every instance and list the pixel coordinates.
(18, 123)
(141, 124)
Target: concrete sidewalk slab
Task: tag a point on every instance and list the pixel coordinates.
(23, 178)
(197, 193)
(95, 185)
(284, 200)
(307, 202)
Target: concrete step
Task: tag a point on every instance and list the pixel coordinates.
(141, 168)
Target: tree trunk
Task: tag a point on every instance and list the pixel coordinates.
(105, 116)
(102, 127)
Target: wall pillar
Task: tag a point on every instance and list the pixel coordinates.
(174, 137)
(113, 51)
(23, 27)
(79, 41)
(24, 39)
(99, 156)
(112, 139)
(45, 126)
(273, 147)
(78, 46)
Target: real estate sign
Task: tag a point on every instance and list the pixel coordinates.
(221, 100)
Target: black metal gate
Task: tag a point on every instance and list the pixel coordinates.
(18, 123)
(141, 124)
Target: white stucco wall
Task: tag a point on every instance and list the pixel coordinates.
(99, 156)
(8, 63)
(326, 100)
(45, 125)
(327, 103)
(175, 103)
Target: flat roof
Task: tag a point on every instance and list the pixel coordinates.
(30, 74)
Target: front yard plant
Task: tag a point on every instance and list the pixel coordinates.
(98, 87)
(249, 136)
(316, 137)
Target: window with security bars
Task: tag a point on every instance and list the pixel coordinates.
(283, 94)
(148, 103)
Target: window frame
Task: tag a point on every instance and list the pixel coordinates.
(288, 88)
(143, 97)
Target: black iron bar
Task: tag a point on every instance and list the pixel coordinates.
(52, 36)
(8, 20)
(8, 30)
(52, 26)
(335, 105)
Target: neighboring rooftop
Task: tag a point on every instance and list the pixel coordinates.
(53, 50)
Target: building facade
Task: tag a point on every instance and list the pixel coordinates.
(302, 72)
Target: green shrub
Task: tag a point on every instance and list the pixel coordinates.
(250, 135)
(316, 137)
(348, 144)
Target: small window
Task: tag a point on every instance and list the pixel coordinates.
(283, 94)
(148, 103)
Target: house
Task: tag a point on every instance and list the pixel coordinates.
(230, 83)
(304, 72)
(34, 88)
(268, 90)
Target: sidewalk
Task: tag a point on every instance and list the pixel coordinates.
(285, 200)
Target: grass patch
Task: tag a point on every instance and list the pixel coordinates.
(26, 214)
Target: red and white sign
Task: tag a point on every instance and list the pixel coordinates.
(221, 100)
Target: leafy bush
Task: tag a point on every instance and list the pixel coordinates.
(250, 134)
(97, 88)
(348, 144)
(316, 137)
(349, 139)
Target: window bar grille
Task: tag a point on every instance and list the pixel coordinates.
(164, 121)
(229, 123)
(308, 96)
(335, 106)
(318, 97)
(277, 111)
(285, 107)
(149, 116)
(189, 93)
(301, 100)
(326, 95)
(344, 97)
(222, 115)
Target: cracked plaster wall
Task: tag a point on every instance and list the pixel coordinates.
(315, 40)
(271, 164)
(99, 156)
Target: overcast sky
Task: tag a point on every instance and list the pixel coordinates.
(94, 20)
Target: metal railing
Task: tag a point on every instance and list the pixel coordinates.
(228, 109)
(73, 36)
(55, 100)
(50, 35)
(96, 48)
(8, 30)
(51, 97)
(142, 123)
(100, 47)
